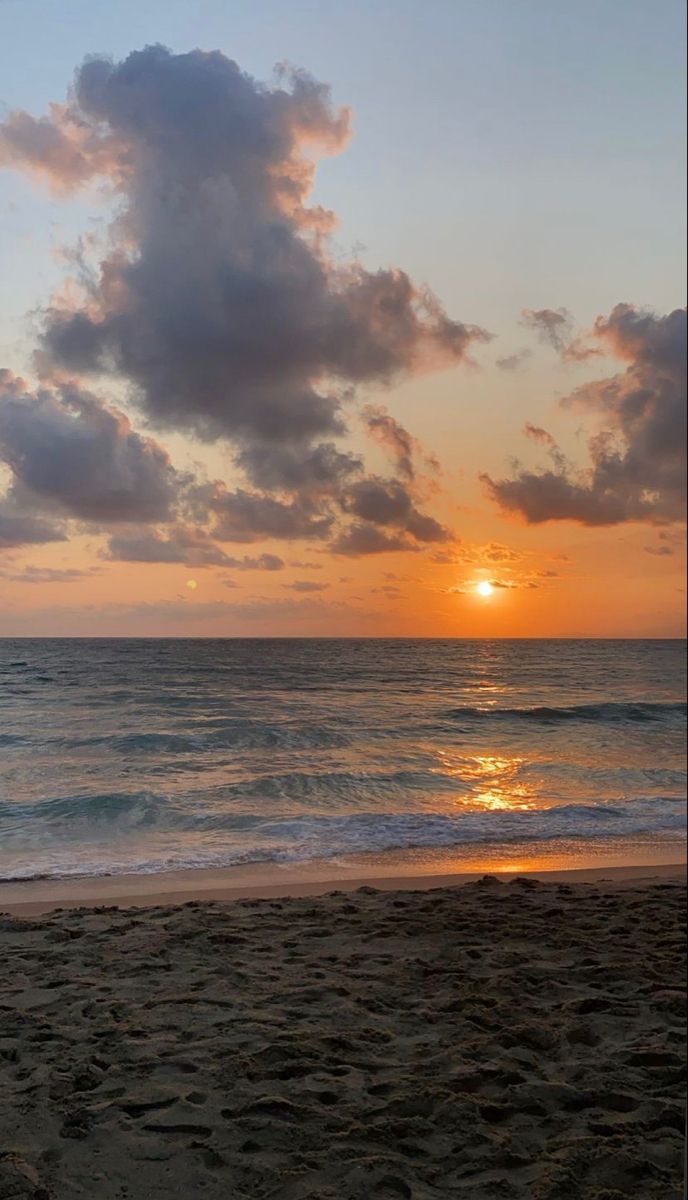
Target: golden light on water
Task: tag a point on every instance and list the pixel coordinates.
(494, 780)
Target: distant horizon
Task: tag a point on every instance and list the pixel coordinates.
(333, 637)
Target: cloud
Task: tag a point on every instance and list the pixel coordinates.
(186, 616)
(47, 575)
(389, 502)
(306, 585)
(511, 362)
(538, 434)
(65, 447)
(180, 544)
(637, 466)
(490, 552)
(20, 528)
(387, 431)
(242, 516)
(315, 470)
(543, 438)
(389, 591)
(305, 566)
(363, 539)
(217, 298)
(264, 562)
(445, 557)
(552, 325)
(668, 542)
(469, 587)
(511, 584)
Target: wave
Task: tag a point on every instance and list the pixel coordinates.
(242, 838)
(614, 711)
(237, 736)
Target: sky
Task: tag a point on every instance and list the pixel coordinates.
(318, 319)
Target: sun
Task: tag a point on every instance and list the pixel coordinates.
(484, 588)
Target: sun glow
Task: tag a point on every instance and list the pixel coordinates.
(484, 588)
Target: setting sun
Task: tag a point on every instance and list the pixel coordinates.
(484, 588)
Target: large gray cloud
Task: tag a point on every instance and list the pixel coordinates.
(66, 448)
(638, 456)
(219, 301)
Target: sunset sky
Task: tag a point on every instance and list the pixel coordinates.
(318, 349)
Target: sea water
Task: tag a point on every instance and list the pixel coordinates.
(147, 755)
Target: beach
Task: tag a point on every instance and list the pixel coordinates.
(509, 1037)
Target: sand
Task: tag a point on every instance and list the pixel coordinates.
(519, 1039)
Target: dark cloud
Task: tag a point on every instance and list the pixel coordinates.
(537, 434)
(219, 302)
(263, 562)
(218, 299)
(388, 502)
(543, 438)
(242, 516)
(47, 575)
(319, 469)
(638, 457)
(552, 496)
(306, 585)
(552, 325)
(386, 430)
(180, 544)
(511, 362)
(68, 449)
(361, 539)
(21, 528)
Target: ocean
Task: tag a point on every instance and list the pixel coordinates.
(149, 755)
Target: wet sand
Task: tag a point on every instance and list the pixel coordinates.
(519, 1039)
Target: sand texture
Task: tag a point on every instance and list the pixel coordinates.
(491, 1041)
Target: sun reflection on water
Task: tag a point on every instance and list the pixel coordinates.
(493, 779)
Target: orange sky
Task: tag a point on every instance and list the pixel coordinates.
(542, 447)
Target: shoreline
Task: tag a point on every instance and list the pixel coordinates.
(32, 897)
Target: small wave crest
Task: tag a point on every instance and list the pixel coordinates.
(545, 714)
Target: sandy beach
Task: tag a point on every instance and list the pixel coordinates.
(504, 1038)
